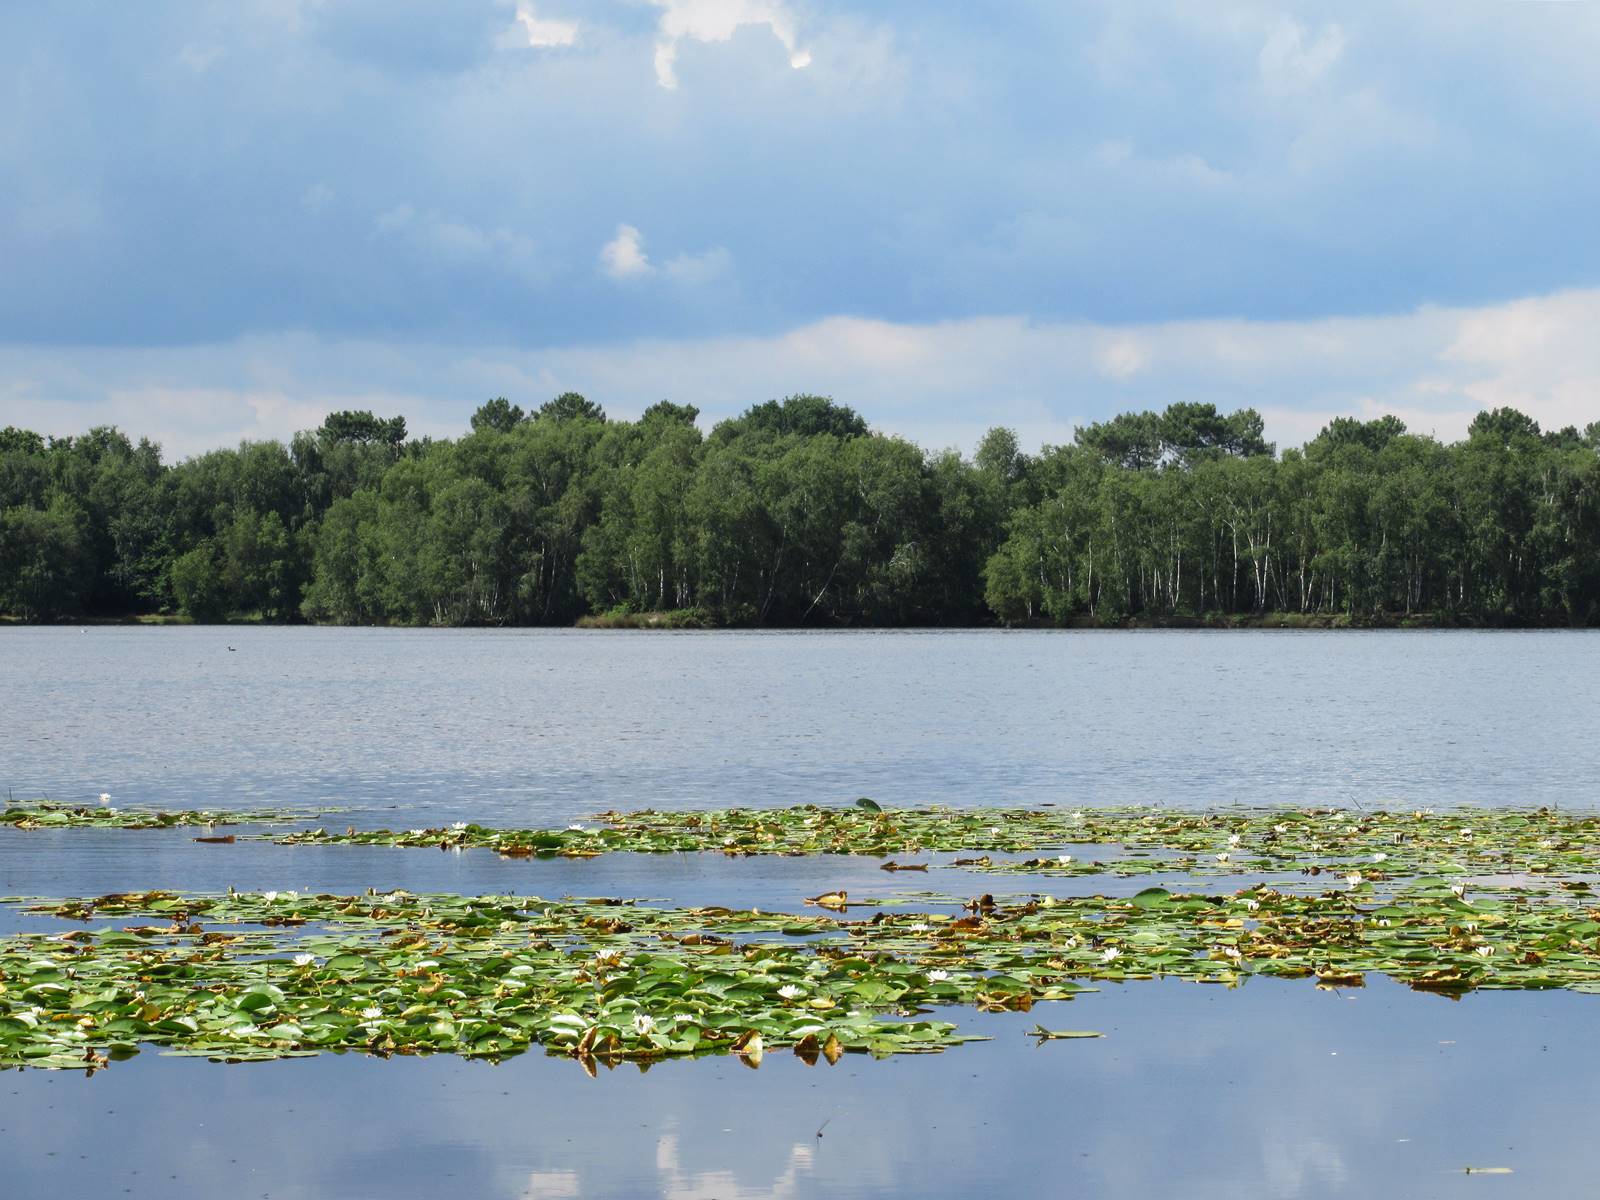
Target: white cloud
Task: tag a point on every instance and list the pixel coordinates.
(940, 384)
(717, 21)
(1290, 61)
(1122, 357)
(623, 257)
(183, 420)
(530, 29)
(695, 269)
(1541, 355)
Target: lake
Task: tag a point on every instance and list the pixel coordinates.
(545, 725)
(1274, 1088)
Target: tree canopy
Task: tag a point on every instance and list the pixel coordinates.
(795, 512)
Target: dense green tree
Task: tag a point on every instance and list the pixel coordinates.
(795, 513)
(802, 416)
(46, 569)
(498, 414)
(362, 428)
(570, 406)
(197, 584)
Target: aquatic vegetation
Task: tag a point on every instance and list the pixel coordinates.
(52, 814)
(268, 975)
(272, 975)
(1376, 846)
(1447, 902)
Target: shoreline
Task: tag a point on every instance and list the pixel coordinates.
(699, 620)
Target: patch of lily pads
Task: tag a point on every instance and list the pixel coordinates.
(1372, 845)
(51, 814)
(250, 976)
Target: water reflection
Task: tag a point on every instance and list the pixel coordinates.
(1272, 1089)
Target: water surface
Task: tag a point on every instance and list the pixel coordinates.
(544, 725)
(1273, 1089)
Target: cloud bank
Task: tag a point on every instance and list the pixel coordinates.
(941, 383)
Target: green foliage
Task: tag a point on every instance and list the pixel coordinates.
(795, 416)
(47, 814)
(44, 561)
(361, 427)
(197, 584)
(570, 406)
(498, 414)
(795, 513)
(1369, 522)
(1444, 903)
(604, 981)
(1185, 433)
(1535, 843)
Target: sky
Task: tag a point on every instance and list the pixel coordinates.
(221, 221)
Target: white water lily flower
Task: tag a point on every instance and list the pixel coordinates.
(938, 976)
(579, 829)
(1223, 857)
(1460, 890)
(105, 799)
(1110, 954)
(919, 927)
(1077, 816)
(416, 832)
(643, 1023)
(1280, 829)
(789, 992)
(1380, 857)
(1465, 831)
(1484, 951)
(1063, 859)
(1234, 839)
(304, 960)
(1232, 952)
(458, 825)
(1353, 878)
(1252, 905)
(994, 829)
(371, 1014)
(269, 897)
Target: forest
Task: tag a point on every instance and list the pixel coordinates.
(795, 513)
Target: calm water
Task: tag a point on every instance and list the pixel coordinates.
(1274, 1089)
(542, 726)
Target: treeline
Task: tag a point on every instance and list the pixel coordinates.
(795, 513)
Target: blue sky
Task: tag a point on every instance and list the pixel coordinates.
(223, 220)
